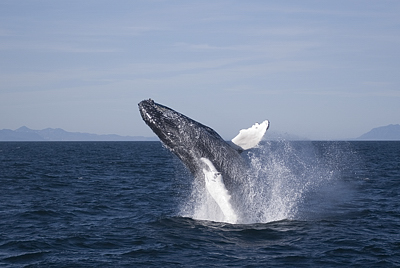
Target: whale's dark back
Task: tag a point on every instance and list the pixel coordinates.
(190, 140)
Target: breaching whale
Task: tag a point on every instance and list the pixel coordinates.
(204, 152)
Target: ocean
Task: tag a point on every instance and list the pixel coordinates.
(133, 204)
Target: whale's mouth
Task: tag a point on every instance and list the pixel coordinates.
(151, 114)
(157, 114)
(162, 120)
(146, 107)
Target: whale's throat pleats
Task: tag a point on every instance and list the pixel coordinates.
(216, 188)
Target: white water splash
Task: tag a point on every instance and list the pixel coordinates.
(286, 180)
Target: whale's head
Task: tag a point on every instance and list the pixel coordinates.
(185, 137)
(166, 123)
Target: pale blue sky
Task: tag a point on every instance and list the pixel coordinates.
(317, 69)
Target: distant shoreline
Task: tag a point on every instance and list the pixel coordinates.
(25, 134)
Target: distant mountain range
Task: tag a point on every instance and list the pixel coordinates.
(58, 134)
(390, 132)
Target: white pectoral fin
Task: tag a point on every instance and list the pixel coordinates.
(216, 188)
(249, 138)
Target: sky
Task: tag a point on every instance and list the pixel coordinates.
(316, 69)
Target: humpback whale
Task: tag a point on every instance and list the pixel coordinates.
(204, 152)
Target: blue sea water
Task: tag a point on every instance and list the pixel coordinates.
(133, 204)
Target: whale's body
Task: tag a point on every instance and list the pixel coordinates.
(203, 151)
